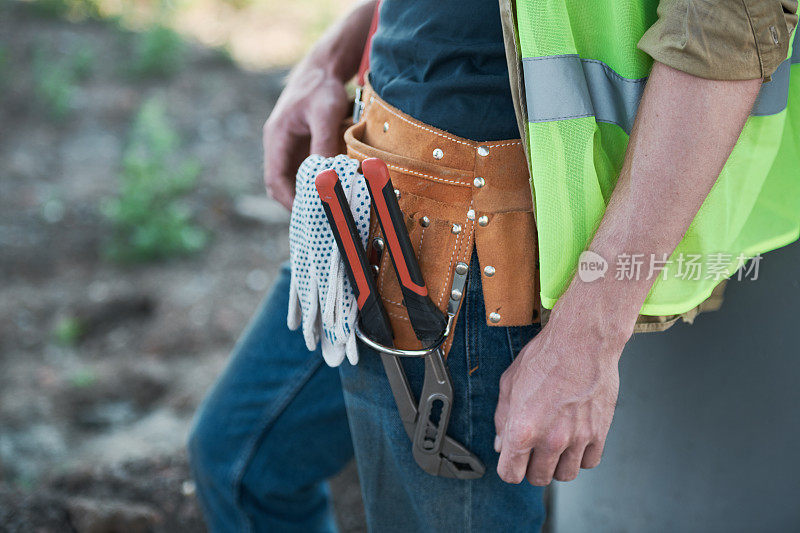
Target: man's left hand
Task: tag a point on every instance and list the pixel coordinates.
(558, 397)
(556, 403)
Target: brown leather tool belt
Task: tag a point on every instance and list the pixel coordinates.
(456, 194)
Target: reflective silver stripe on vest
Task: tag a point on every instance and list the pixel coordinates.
(566, 86)
(774, 94)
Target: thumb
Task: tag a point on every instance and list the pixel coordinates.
(504, 403)
(500, 418)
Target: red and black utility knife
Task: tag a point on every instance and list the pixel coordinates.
(426, 319)
(374, 321)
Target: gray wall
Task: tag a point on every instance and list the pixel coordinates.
(706, 436)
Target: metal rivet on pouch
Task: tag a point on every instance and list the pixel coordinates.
(378, 244)
(397, 193)
(424, 222)
(494, 318)
(483, 220)
(456, 229)
(455, 294)
(438, 154)
(461, 268)
(376, 269)
(385, 126)
(483, 151)
(479, 182)
(489, 271)
(471, 214)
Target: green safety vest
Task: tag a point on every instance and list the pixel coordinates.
(583, 78)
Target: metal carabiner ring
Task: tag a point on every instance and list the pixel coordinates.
(406, 353)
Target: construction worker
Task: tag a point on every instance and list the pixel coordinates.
(624, 118)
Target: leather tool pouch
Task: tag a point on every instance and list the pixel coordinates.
(440, 232)
(456, 194)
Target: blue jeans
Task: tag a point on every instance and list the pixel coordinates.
(274, 428)
(271, 431)
(398, 495)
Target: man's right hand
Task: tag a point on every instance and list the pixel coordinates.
(308, 116)
(306, 120)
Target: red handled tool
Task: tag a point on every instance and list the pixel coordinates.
(429, 324)
(373, 317)
(447, 457)
(426, 319)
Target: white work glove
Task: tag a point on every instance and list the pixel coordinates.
(320, 296)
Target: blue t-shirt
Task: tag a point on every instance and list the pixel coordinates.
(443, 62)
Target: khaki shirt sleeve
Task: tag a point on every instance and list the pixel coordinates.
(722, 39)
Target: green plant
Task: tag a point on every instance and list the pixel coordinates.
(54, 85)
(150, 217)
(159, 51)
(49, 8)
(68, 331)
(81, 62)
(55, 79)
(83, 378)
(73, 9)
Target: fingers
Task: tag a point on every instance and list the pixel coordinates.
(325, 116)
(284, 150)
(557, 454)
(569, 464)
(593, 454)
(281, 148)
(515, 432)
(501, 412)
(499, 422)
(518, 440)
(545, 458)
(513, 463)
(325, 137)
(307, 119)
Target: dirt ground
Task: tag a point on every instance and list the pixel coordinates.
(92, 432)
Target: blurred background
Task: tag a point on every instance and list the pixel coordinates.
(135, 243)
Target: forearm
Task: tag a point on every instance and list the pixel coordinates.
(684, 132)
(340, 48)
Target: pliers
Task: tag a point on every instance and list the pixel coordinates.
(426, 422)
